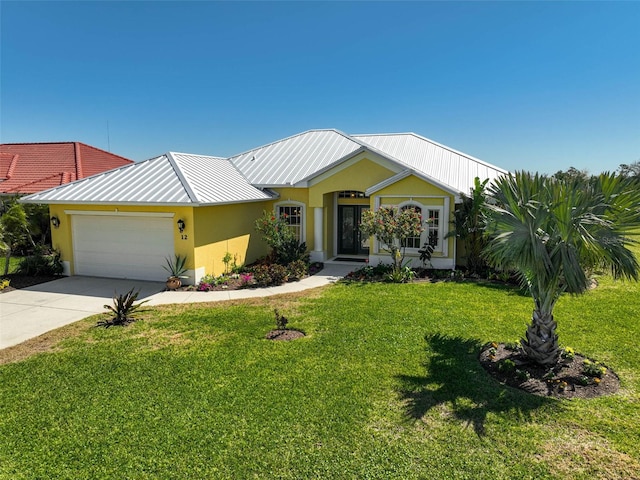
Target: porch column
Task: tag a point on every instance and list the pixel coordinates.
(317, 255)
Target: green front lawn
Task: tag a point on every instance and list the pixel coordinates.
(386, 385)
(13, 263)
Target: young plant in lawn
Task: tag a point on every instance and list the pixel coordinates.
(123, 309)
(281, 320)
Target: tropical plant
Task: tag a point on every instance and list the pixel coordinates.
(14, 231)
(42, 262)
(176, 267)
(552, 232)
(123, 309)
(392, 227)
(425, 254)
(468, 225)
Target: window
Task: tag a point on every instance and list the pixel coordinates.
(433, 229)
(412, 242)
(432, 218)
(293, 214)
(351, 194)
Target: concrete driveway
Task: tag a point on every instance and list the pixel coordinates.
(32, 311)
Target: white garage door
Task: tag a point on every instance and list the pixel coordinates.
(122, 246)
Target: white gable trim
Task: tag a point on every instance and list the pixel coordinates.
(406, 173)
(344, 163)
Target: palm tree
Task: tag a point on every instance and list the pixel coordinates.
(468, 224)
(552, 232)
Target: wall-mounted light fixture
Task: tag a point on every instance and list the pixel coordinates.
(55, 221)
(181, 225)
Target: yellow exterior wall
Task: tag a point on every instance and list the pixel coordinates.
(227, 228)
(61, 238)
(359, 176)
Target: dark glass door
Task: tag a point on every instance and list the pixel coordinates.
(349, 239)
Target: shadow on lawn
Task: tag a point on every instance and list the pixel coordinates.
(454, 378)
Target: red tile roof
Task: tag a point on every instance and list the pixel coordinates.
(33, 167)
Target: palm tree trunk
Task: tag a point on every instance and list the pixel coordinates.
(541, 343)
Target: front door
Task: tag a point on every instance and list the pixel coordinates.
(350, 241)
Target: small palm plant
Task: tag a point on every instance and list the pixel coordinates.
(552, 232)
(123, 309)
(177, 269)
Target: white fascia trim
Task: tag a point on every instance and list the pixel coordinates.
(406, 173)
(105, 213)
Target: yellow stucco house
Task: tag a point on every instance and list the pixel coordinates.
(124, 223)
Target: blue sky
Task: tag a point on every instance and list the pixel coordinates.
(523, 85)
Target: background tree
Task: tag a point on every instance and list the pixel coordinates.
(551, 231)
(572, 173)
(630, 170)
(469, 225)
(392, 227)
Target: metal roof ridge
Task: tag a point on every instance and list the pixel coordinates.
(198, 155)
(441, 145)
(289, 138)
(228, 160)
(182, 177)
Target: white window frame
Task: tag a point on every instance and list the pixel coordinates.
(303, 215)
(425, 211)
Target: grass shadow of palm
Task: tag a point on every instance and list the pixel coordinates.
(454, 379)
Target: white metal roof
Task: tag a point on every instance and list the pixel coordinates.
(171, 179)
(187, 179)
(287, 161)
(447, 166)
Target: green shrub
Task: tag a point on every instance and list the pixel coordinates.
(261, 275)
(298, 269)
(41, 263)
(593, 369)
(507, 365)
(278, 274)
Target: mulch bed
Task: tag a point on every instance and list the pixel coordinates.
(567, 379)
(18, 281)
(284, 335)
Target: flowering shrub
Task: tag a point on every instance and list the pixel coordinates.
(392, 227)
(285, 247)
(246, 279)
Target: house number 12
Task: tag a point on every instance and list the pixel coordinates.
(183, 237)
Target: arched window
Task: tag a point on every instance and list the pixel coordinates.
(432, 221)
(412, 242)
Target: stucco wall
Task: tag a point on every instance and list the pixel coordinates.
(227, 228)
